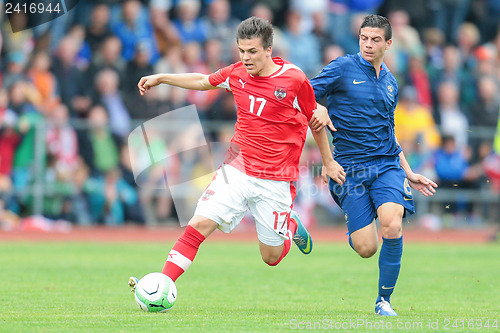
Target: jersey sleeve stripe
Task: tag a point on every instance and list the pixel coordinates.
(285, 68)
(225, 84)
(296, 104)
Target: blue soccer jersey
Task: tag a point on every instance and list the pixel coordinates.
(361, 107)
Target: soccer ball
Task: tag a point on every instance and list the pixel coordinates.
(155, 292)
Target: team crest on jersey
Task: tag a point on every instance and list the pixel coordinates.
(406, 187)
(207, 195)
(280, 92)
(390, 89)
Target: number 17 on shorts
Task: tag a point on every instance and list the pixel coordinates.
(281, 222)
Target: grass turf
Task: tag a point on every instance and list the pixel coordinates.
(82, 287)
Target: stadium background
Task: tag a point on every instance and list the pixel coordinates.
(68, 100)
(73, 220)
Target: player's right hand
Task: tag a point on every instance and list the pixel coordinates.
(148, 82)
(335, 171)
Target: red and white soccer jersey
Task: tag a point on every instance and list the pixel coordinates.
(272, 116)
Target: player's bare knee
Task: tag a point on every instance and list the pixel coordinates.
(197, 224)
(366, 251)
(271, 258)
(392, 229)
(202, 225)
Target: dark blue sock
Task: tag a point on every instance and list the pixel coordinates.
(389, 263)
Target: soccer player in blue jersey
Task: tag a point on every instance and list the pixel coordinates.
(361, 96)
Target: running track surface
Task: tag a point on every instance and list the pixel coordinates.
(131, 233)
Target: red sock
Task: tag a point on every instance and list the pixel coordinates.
(182, 254)
(292, 228)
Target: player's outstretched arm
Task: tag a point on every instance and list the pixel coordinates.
(193, 81)
(330, 167)
(320, 119)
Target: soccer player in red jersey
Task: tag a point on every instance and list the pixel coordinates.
(275, 103)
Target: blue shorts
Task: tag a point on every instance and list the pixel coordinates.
(369, 185)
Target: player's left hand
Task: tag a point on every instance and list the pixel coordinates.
(320, 119)
(422, 184)
(335, 171)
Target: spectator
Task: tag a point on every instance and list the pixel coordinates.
(138, 67)
(418, 77)
(307, 57)
(350, 40)
(345, 16)
(213, 55)
(453, 171)
(20, 95)
(99, 147)
(107, 56)
(486, 64)
(131, 30)
(406, 41)
(29, 126)
(434, 43)
(16, 64)
(223, 110)
(332, 52)
(23, 40)
(194, 63)
(70, 78)
(84, 53)
(221, 26)
(468, 39)
(484, 112)
(453, 120)
(488, 19)
(133, 211)
(43, 80)
(414, 122)
(453, 71)
(448, 15)
(280, 45)
(189, 26)
(309, 10)
(9, 140)
(164, 31)
(62, 143)
(107, 94)
(172, 62)
(320, 30)
(108, 196)
(98, 29)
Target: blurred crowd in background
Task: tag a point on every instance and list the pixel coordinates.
(69, 98)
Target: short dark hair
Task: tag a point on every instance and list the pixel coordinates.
(256, 27)
(377, 21)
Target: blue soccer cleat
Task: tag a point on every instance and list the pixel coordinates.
(302, 237)
(384, 308)
(132, 282)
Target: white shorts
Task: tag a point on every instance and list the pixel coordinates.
(231, 192)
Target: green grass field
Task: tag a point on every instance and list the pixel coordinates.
(56, 287)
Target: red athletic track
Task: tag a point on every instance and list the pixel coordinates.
(169, 234)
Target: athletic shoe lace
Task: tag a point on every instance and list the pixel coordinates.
(299, 240)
